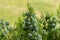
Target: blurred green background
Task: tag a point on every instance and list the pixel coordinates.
(10, 9)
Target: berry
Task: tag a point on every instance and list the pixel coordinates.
(3, 33)
(44, 23)
(2, 22)
(29, 35)
(27, 23)
(31, 26)
(50, 21)
(6, 31)
(34, 33)
(25, 28)
(53, 25)
(47, 17)
(6, 23)
(27, 14)
(9, 28)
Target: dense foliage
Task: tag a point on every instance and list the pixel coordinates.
(5, 29)
(28, 27)
(49, 27)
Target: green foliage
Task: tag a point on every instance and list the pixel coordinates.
(58, 11)
(28, 28)
(4, 30)
(18, 30)
(58, 14)
(49, 31)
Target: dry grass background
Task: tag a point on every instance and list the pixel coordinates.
(10, 9)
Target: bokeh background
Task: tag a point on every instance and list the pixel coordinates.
(10, 9)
